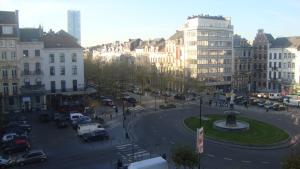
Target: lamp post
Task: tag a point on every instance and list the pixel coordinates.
(200, 123)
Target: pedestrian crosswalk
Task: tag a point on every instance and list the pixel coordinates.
(131, 152)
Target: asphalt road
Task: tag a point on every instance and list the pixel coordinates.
(159, 132)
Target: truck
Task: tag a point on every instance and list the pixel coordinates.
(88, 128)
(152, 163)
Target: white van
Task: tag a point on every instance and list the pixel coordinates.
(291, 100)
(87, 128)
(152, 163)
(274, 96)
(74, 116)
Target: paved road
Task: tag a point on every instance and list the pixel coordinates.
(159, 132)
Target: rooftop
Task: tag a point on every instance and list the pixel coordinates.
(8, 17)
(31, 34)
(287, 42)
(207, 17)
(60, 39)
(177, 35)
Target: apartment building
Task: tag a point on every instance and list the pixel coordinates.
(284, 65)
(261, 46)
(30, 50)
(9, 77)
(208, 45)
(242, 64)
(63, 64)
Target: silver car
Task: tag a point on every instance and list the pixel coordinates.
(33, 156)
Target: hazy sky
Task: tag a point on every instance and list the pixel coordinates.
(110, 20)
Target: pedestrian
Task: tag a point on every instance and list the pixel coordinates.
(116, 109)
(110, 116)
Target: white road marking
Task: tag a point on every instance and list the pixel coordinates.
(229, 159)
(246, 161)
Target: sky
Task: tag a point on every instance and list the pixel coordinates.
(104, 21)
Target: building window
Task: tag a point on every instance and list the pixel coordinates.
(53, 88)
(275, 55)
(74, 85)
(4, 74)
(62, 70)
(15, 88)
(52, 71)
(279, 55)
(279, 75)
(14, 73)
(74, 70)
(275, 65)
(62, 58)
(11, 101)
(270, 64)
(5, 89)
(63, 85)
(285, 55)
(289, 64)
(13, 55)
(74, 57)
(270, 56)
(4, 57)
(279, 64)
(26, 68)
(27, 82)
(38, 68)
(25, 53)
(51, 58)
(7, 30)
(37, 99)
(37, 53)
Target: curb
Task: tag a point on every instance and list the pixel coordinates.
(281, 145)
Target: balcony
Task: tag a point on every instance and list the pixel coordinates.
(28, 73)
(33, 90)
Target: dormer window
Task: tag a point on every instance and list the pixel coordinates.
(7, 30)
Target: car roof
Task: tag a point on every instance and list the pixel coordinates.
(36, 151)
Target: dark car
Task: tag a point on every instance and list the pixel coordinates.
(44, 117)
(33, 156)
(95, 136)
(5, 163)
(62, 123)
(179, 97)
(130, 99)
(16, 147)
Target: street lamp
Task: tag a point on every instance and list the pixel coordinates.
(200, 117)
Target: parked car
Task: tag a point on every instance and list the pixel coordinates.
(33, 156)
(261, 103)
(5, 163)
(107, 102)
(8, 137)
(95, 136)
(103, 97)
(268, 105)
(130, 99)
(278, 107)
(87, 128)
(16, 147)
(44, 117)
(81, 120)
(74, 116)
(179, 97)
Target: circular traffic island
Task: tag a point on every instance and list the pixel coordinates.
(258, 134)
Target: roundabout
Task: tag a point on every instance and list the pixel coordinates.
(258, 134)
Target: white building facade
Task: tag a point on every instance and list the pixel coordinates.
(64, 70)
(208, 45)
(284, 65)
